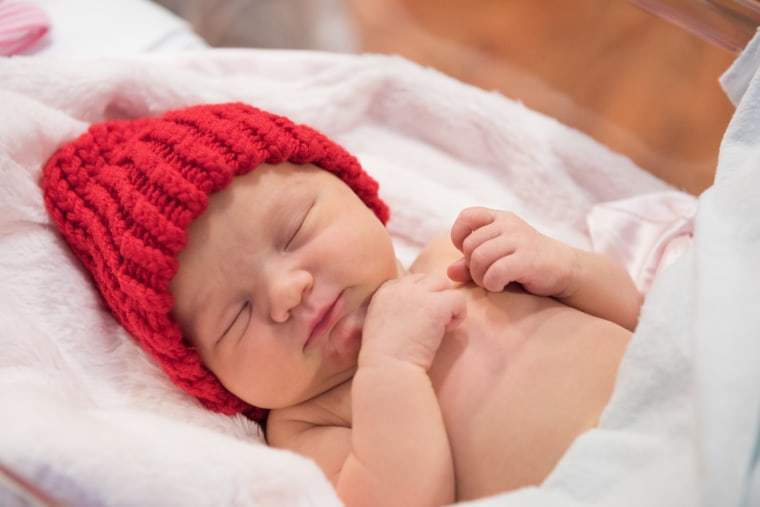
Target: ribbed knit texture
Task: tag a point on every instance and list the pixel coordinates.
(124, 193)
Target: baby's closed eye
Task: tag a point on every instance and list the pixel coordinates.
(239, 322)
(295, 227)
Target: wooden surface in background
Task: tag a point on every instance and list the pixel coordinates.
(630, 80)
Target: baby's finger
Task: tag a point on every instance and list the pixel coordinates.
(501, 273)
(458, 271)
(468, 221)
(479, 237)
(486, 254)
(457, 308)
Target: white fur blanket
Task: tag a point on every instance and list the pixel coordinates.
(87, 416)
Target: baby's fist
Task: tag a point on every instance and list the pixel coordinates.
(499, 248)
(408, 317)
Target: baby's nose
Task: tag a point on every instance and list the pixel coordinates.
(287, 291)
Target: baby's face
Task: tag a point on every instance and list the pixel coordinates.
(274, 284)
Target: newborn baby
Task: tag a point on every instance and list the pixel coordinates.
(249, 256)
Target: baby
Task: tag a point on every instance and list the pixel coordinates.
(248, 255)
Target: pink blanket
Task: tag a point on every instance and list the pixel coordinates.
(88, 416)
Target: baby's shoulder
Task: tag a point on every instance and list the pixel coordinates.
(435, 257)
(332, 408)
(319, 429)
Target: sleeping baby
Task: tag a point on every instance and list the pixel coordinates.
(248, 256)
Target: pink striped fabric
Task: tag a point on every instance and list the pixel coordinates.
(21, 25)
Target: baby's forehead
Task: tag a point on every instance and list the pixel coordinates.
(250, 204)
(286, 180)
(288, 174)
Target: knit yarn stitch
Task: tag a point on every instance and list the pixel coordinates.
(124, 193)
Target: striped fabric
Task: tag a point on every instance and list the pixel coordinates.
(21, 25)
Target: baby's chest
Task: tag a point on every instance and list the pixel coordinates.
(476, 358)
(501, 381)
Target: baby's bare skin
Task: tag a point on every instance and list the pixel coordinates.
(469, 375)
(517, 381)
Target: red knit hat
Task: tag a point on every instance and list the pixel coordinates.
(124, 193)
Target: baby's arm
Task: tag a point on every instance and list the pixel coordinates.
(500, 248)
(396, 451)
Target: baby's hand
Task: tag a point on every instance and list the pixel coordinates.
(500, 248)
(408, 317)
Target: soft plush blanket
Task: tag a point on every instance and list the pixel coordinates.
(87, 416)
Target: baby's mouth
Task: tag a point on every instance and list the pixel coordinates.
(325, 320)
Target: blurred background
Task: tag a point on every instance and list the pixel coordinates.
(638, 76)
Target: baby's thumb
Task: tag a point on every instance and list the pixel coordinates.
(458, 310)
(458, 271)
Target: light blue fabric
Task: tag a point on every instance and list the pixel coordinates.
(737, 78)
(741, 83)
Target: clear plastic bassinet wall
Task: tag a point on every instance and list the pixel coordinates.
(640, 76)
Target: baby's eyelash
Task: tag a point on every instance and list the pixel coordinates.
(243, 308)
(299, 227)
(246, 308)
(295, 232)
